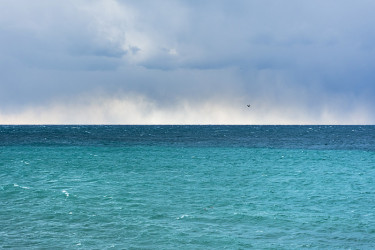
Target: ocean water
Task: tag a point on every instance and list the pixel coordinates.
(187, 187)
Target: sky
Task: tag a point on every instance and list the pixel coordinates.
(187, 62)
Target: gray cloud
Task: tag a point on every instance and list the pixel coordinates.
(308, 57)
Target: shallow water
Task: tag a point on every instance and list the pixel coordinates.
(190, 187)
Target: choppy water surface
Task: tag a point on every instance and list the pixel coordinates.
(190, 187)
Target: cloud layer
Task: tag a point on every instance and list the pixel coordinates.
(187, 62)
(137, 109)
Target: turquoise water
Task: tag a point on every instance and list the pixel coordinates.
(189, 187)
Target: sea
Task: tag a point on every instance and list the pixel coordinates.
(187, 187)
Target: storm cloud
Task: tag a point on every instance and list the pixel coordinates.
(187, 62)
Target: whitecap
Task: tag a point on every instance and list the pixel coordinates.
(16, 185)
(65, 192)
(182, 216)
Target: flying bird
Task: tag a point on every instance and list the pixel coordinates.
(248, 105)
